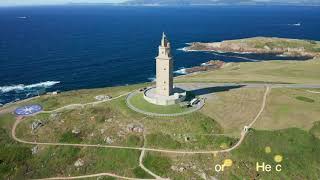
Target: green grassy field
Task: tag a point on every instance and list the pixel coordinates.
(52, 161)
(289, 108)
(168, 133)
(273, 43)
(298, 148)
(234, 109)
(300, 72)
(315, 130)
(139, 102)
(110, 118)
(285, 108)
(13, 157)
(158, 163)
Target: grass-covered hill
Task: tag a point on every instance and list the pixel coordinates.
(298, 147)
(280, 46)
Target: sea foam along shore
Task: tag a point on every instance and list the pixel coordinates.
(181, 70)
(187, 49)
(21, 87)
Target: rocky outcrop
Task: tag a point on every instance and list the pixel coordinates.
(137, 128)
(277, 46)
(208, 66)
(36, 125)
(79, 163)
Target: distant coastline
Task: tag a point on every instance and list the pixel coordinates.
(282, 47)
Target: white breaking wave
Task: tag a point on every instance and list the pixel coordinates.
(152, 79)
(21, 87)
(184, 49)
(296, 24)
(181, 71)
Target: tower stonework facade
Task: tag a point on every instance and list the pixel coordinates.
(164, 93)
(164, 63)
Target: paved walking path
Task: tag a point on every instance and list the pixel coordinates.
(243, 133)
(74, 106)
(196, 86)
(131, 106)
(92, 176)
(141, 160)
(314, 92)
(143, 149)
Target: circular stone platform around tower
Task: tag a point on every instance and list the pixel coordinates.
(151, 96)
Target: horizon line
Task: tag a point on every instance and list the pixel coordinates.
(157, 5)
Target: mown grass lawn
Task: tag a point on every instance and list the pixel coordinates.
(139, 102)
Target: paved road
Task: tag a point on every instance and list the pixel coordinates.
(132, 107)
(186, 86)
(197, 86)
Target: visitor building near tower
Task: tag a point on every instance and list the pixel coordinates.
(164, 93)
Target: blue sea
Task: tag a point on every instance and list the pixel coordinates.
(50, 48)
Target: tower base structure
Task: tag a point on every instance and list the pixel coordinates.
(177, 97)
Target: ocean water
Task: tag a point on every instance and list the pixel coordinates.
(75, 47)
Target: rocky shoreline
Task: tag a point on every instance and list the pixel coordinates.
(207, 66)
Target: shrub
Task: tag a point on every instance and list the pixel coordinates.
(305, 99)
(69, 137)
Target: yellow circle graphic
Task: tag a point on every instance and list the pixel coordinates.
(227, 162)
(278, 158)
(267, 149)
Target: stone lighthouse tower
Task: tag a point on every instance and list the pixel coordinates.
(164, 63)
(164, 93)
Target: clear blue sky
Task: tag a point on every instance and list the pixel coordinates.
(39, 2)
